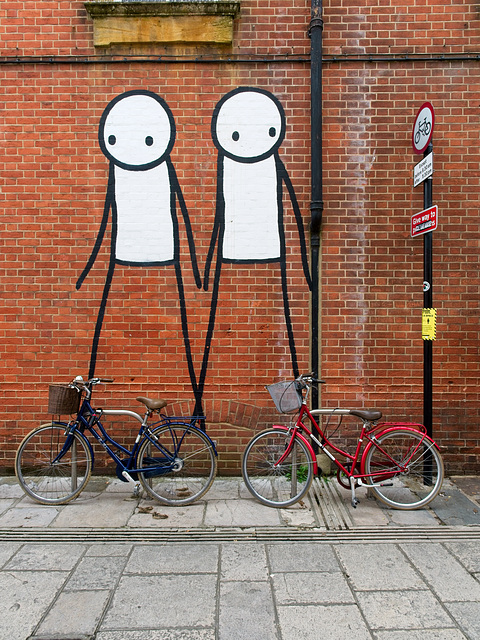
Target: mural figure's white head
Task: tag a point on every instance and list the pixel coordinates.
(248, 124)
(137, 130)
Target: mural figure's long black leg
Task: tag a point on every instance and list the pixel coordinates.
(286, 308)
(186, 339)
(101, 314)
(211, 327)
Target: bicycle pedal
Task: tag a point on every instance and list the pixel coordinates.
(137, 490)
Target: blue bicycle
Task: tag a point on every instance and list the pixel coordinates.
(172, 458)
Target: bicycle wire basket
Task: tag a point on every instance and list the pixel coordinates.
(286, 396)
(63, 399)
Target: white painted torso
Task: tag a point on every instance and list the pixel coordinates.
(251, 210)
(145, 225)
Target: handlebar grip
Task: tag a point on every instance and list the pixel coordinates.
(106, 379)
(311, 379)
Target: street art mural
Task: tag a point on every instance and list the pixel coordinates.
(137, 134)
(248, 127)
(144, 201)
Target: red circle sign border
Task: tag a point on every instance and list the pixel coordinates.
(430, 107)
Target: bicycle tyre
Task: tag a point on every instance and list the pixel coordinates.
(276, 486)
(41, 477)
(192, 474)
(423, 479)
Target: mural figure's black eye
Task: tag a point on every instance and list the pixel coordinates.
(235, 136)
(272, 132)
(112, 139)
(149, 141)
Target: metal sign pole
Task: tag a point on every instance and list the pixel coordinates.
(427, 304)
(424, 223)
(316, 206)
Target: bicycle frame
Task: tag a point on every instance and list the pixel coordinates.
(88, 418)
(368, 432)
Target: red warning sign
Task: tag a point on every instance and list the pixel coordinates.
(424, 221)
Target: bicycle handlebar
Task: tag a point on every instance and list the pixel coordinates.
(309, 379)
(87, 385)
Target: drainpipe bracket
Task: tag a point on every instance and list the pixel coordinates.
(315, 23)
(316, 209)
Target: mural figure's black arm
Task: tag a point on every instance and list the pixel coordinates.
(183, 207)
(298, 216)
(101, 233)
(217, 225)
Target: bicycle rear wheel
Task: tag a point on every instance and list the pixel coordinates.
(183, 464)
(277, 485)
(421, 481)
(53, 467)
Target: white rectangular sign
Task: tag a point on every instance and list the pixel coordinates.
(423, 170)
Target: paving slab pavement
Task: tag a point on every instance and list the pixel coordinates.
(105, 568)
(110, 503)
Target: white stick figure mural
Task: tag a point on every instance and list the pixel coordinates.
(248, 127)
(137, 134)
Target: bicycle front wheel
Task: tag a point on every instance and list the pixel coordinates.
(182, 461)
(422, 478)
(277, 485)
(51, 466)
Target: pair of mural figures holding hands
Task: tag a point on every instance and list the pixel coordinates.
(144, 199)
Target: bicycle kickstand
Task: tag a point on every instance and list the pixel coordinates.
(355, 500)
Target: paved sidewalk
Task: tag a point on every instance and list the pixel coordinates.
(113, 567)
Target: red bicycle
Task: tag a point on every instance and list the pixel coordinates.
(398, 461)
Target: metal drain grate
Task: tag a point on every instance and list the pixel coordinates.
(328, 505)
(258, 534)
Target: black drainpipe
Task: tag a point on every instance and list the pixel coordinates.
(316, 205)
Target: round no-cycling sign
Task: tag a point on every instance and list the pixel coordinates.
(423, 128)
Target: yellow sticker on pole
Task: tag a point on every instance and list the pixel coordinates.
(429, 324)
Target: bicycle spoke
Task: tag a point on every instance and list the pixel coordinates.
(49, 468)
(272, 483)
(191, 466)
(411, 482)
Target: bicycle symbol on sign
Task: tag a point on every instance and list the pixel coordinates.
(423, 129)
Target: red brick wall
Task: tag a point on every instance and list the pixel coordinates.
(54, 177)
(372, 351)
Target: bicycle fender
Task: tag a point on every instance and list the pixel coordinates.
(306, 443)
(406, 427)
(214, 444)
(389, 430)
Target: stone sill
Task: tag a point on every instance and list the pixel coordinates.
(160, 21)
